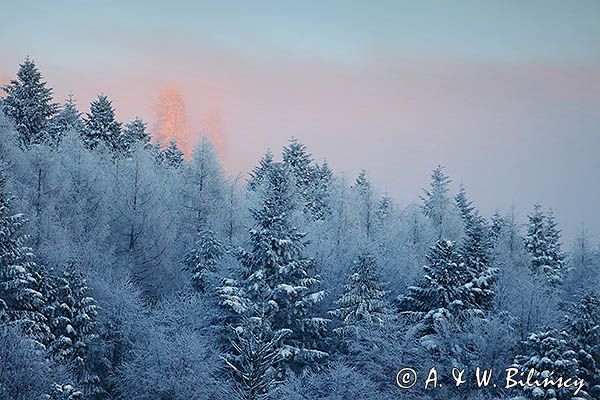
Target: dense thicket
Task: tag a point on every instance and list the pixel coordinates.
(129, 272)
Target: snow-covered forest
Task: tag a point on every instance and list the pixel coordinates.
(129, 272)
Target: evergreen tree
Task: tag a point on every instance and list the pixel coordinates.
(436, 201)
(73, 323)
(475, 251)
(364, 191)
(498, 224)
(298, 161)
(441, 301)
(259, 172)
(363, 302)
(464, 205)
(172, 156)
(278, 286)
(20, 301)
(134, 134)
(443, 289)
(384, 209)
(68, 119)
(549, 352)
(318, 202)
(556, 256)
(101, 125)
(255, 359)
(542, 243)
(28, 103)
(584, 326)
(202, 260)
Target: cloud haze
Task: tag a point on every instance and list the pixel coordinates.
(512, 125)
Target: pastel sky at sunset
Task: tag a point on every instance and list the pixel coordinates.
(505, 94)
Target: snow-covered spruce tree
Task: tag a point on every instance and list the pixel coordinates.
(172, 156)
(443, 297)
(134, 134)
(28, 102)
(101, 127)
(436, 201)
(202, 259)
(465, 206)
(384, 210)
(541, 242)
(312, 181)
(259, 172)
(363, 302)
(365, 207)
(255, 358)
(21, 303)
(73, 324)
(68, 119)
(556, 257)
(298, 161)
(475, 251)
(318, 203)
(278, 287)
(583, 324)
(549, 352)
(498, 225)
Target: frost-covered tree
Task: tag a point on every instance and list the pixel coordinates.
(73, 323)
(436, 202)
(583, 324)
(475, 251)
(255, 359)
(279, 286)
(440, 303)
(556, 256)
(134, 134)
(464, 205)
(365, 204)
(21, 303)
(364, 299)
(26, 373)
(542, 243)
(299, 162)
(205, 187)
(549, 352)
(319, 193)
(202, 259)
(68, 119)
(442, 289)
(28, 102)
(101, 125)
(172, 156)
(259, 172)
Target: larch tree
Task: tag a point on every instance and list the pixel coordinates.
(436, 202)
(365, 207)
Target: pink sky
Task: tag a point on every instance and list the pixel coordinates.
(512, 130)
